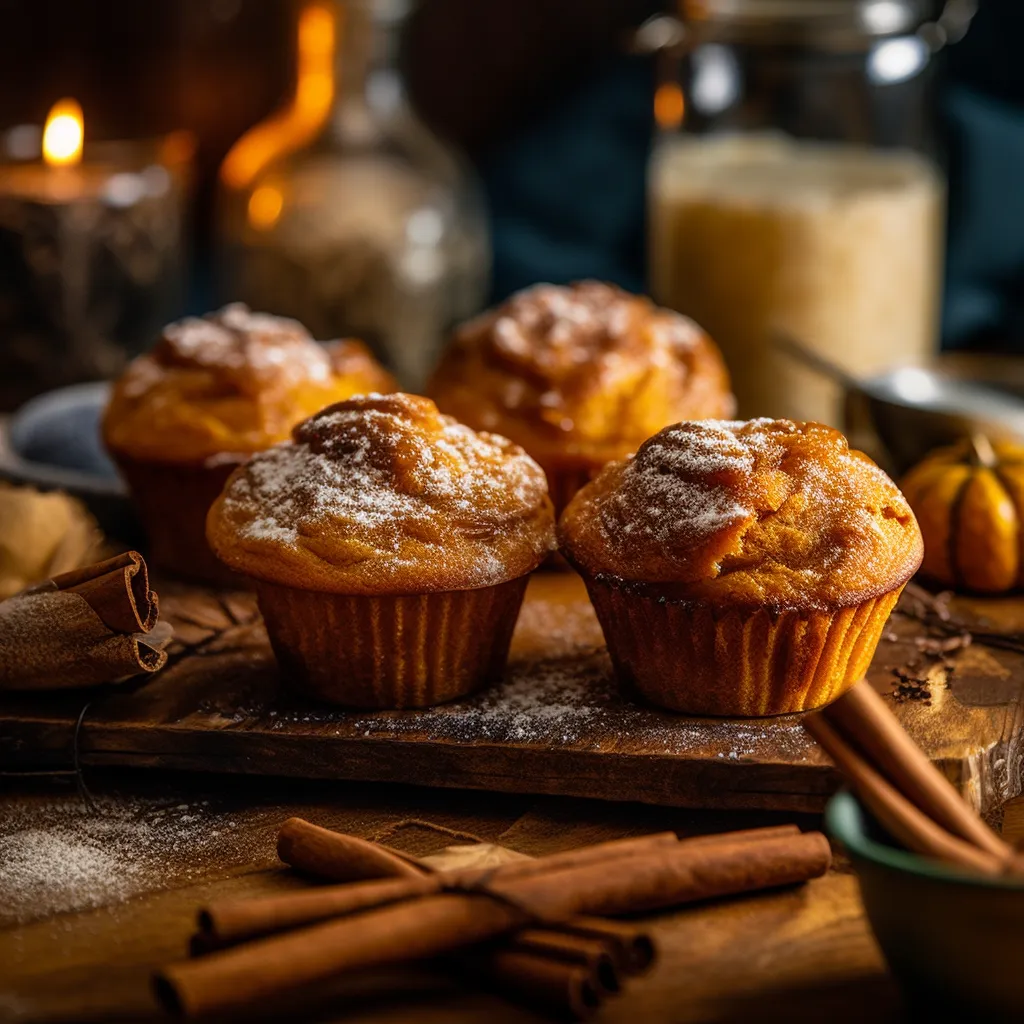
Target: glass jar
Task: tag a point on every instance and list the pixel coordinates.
(794, 190)
(345, 211)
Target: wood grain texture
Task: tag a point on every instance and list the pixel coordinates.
(556, 725)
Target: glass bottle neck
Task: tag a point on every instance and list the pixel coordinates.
(366, 71)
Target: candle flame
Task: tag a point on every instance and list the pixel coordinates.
(63, 134)
(305, 115)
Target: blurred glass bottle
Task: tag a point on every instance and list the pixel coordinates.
(795, 189)
(344, 210)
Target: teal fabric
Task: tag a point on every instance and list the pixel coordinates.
(567, 193)
(985, 252)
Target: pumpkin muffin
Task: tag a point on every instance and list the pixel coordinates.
(579, 376)
(390, 548)
(214, 390)
(742, 568)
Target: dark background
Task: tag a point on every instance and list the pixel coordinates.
(543, 97)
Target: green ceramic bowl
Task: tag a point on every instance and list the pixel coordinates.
(954, 941)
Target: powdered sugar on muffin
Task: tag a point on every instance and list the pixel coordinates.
(586, 369)
(244, 344)
(765, 512)
(382, 494)
(231, 381)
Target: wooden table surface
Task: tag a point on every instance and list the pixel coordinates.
(558, 723)
(803, 954)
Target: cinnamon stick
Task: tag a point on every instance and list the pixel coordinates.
(901, 818)
(437, 924)
(340, 857)
(630, 947)
(743, 835)
(344, 858)
(327, 854)
(550, 986)
(671, 876)
(571, 948)
(231, 920)
(116, 589)
(320, 851)
(580, 940)
(863, 719)
(539, 967)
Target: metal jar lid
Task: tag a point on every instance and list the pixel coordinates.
(811, 22)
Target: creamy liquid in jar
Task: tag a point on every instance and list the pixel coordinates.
(838, 245)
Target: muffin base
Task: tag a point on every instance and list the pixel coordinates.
(392, 651)
(690, 657)
(172, 500)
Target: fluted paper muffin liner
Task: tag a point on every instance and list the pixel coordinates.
(172, 500)
(404, 651)
(692, 657)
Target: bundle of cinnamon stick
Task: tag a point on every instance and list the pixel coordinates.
(909, 796)
(534, 928)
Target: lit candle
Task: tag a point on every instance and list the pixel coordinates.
(90, 255)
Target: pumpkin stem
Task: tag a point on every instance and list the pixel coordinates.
(981, 451)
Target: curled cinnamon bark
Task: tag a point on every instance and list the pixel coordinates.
(89, 626)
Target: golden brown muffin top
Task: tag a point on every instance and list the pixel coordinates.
(761, 513)
(232, 381)
(381, 494)
(585, 370)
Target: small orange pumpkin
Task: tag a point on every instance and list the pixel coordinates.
(969, 503)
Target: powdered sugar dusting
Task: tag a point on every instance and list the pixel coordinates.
(235, 338)
(573, 340)
(64, 855)
(571, 324)
(557, 702)
(377, 472)
(298, 489)
(248, 349)
(683, 483)
(758, 510)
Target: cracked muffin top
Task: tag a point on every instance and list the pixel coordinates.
(765, 513)
(381, 494)
(232, 381)
(580, 373)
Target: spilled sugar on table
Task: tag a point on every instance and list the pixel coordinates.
(557, 724)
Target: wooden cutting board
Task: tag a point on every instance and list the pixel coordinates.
(556, 725)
